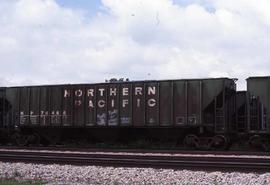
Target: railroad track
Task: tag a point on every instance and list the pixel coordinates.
(135, 160)
(117, 150)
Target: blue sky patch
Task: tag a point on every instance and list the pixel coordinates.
(90, 7)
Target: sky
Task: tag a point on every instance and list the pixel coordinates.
(88, 41)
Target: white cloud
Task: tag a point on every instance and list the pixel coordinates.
(42, 42)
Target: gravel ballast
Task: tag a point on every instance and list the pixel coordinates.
(68, 174)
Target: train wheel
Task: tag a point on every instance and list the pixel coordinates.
(37, 140)
(266, 146)
(255, 142)
(1, 140)
(20, 140)
(191, 141)
(34, 139)
(219, 142)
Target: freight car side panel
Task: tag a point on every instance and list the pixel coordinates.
(260, 88)
(211, 90)
(90, 105)
(56, 96)
(180, 103)
(258, 104)
(166, 103)
(67, 105)
(45, 106)
(101, 95)
(152, 103)
(125, 104)
(79, 106)
(24, 105)
(13, 99)
(113, 105)
(3, 107)
(34, 104)
(194, 102)
(138, 104)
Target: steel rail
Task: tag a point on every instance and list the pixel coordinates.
(115, 150)
(172, 162)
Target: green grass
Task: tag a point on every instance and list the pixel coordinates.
(14, 182)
